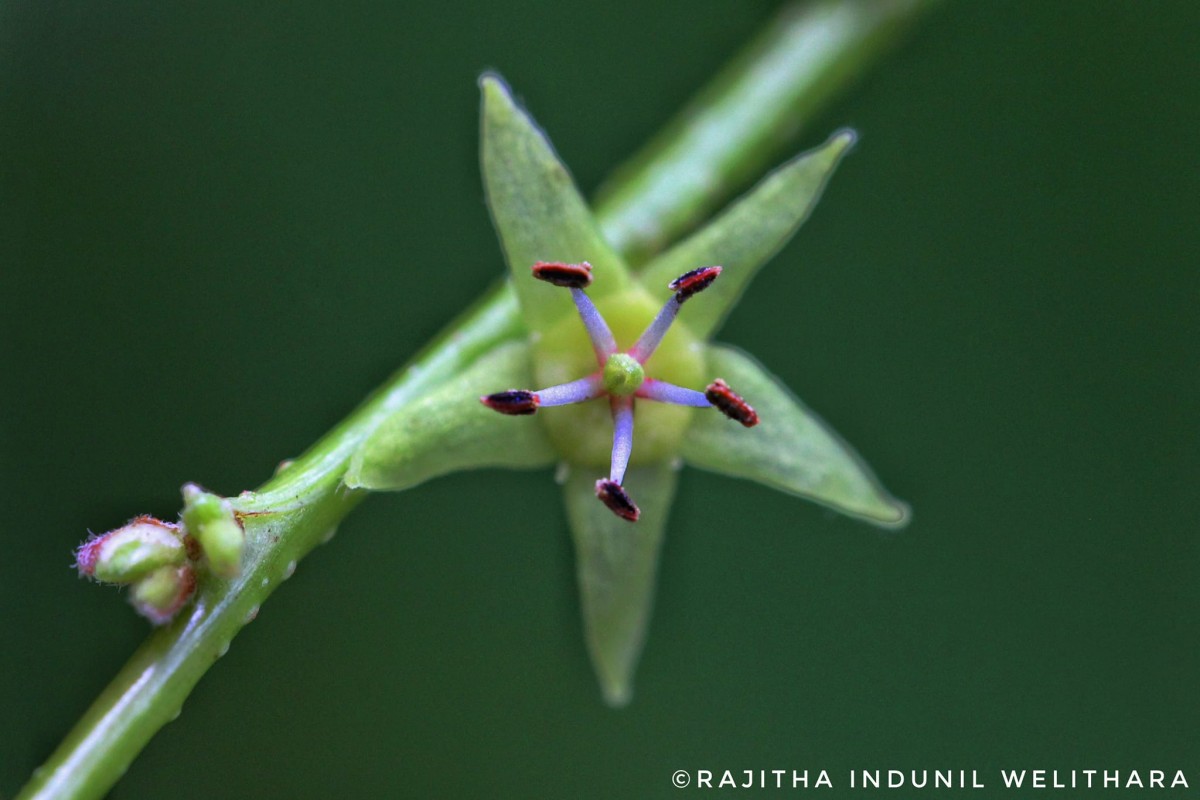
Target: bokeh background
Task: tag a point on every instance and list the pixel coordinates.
(223, 224)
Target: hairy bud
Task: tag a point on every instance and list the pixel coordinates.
(124, 555)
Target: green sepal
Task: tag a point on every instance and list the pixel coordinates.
(617, 565)
(210, 520)
(449, 429)
(538, 212)
(747, 233)
(791, 449)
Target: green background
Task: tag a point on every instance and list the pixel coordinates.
(223, 224)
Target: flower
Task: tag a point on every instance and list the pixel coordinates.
(621, 375)
(629, 330)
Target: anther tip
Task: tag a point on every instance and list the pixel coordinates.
(514, 402)
(570, 276)
(730, 403)
(693, 282)
(613, 495)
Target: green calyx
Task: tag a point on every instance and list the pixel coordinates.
(623, 375)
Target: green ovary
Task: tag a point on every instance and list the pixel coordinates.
(623, 374)
(583, 432)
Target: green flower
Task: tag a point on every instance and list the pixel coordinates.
(545, 224)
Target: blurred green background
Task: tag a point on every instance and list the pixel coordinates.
(223, 224)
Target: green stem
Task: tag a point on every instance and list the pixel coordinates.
(722, 139)
(761, 94)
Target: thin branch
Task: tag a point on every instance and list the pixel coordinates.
(729, 133)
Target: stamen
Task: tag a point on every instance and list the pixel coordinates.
(597, 329)
(653, 335)
(730, 403)
(693, 282)
(573, 392)
(574, 276)
(617, 500)
(515, 402)
(622, 411)
(665, 392)
(686, 285)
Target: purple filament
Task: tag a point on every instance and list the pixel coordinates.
(664, 392)
(597, 329)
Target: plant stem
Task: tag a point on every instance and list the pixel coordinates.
(748, 113)
(727, 134)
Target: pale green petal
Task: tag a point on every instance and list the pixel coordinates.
(538, 213)
(449, 429)
(791, 448)
(747, 234)
(617, 564)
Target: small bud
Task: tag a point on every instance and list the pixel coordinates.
(693, 282)
(141, 546)
(514, 402)
(211, 521)
(570, 276)
(617, 499)
(159, 595)
(730, 403)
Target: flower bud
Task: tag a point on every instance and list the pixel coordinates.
(210, 520)
(159, 596)
(124, 555)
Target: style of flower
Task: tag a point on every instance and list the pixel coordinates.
(622, 376)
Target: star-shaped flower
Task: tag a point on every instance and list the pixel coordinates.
(622, 376)
(542, 220)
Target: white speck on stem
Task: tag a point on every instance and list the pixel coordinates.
(290, 569)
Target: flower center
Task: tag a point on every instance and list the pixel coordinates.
(583, 433)
(623, 375)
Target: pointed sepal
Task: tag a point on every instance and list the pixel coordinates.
(617, 566)
(747, 233)
(538, 212)
(792, 449)
(450, 429)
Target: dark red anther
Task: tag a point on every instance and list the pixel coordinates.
(618, 501)
(515, 402)
(730, 403)
(693, 282)
(572, 276)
